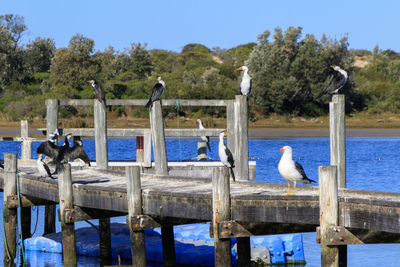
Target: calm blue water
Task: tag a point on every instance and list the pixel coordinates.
(372, 163)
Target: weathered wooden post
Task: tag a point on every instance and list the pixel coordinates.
(10, 215)
(26, 144)
(147, 149)
(221, 212)
(51, 126)
(66, 206)
(337, 132)
(230, 125)
(134, 195)
(338, 149)
(329, 214)
(158, 137)
(105, 241)
(100, 128)
(241, 155)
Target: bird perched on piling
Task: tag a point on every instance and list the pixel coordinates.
(204, 138)
(43, 168)
(156, 92)
(98, 91)
(337, 82)
(72, 153)
(291, 170)
(245, 84)
(225, 155)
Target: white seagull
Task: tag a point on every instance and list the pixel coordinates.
(291, 170)
(156, 92)
(225, 155)
(42, 167)
(204, 138)
(245, 84)
(336, 83)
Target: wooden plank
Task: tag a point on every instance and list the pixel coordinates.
(100, 123)
(147, 149)
(142, 102)
(221, 212)
(158, 138)
(10, 215)
(66, 205)
(134, 194)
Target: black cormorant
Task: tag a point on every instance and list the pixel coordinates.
(156, 92)
(336, 83)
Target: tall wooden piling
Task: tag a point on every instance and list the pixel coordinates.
(51, 126)
(139, 149)
(158, 137)
(26, 144)
(230, 125)
(329, 214)
(241, 155)
(147, 149)
(100, 126)
(337, 132)
(221, 212)
(66, 207)
(10, 215)
(134, 195)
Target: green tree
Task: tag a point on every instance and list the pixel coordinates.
(288, 72)
(39, 54)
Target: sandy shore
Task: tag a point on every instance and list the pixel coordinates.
(270, 132)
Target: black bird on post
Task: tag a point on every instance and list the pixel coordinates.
(156, 92)
(98, 91)
(336, 83)
(50, 148)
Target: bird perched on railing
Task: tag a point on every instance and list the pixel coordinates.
(245, 84)
(69, 154)
(225, 155)
(291, 170)
(43, 168)
(98, 91)
(337, 82)
(50, 148)
(204, 138)
(156, 92)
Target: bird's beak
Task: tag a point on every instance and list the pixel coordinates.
(226, 133)
(282, 150)
(240, 68)
(333, 66)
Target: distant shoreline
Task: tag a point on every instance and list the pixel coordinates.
(269, 132)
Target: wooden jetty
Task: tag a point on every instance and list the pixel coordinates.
(242, 209)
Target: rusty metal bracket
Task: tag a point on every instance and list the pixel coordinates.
(229, 229)
(142, 222)
(338, 235)
(12, 202)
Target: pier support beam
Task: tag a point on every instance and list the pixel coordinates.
(168, 244)
(230, 125)
(158, 137)
(134, 195)
(10, 215)
(241, 154)
(51, 126)
(66, 206)
(329, 214)
(100, 126)
(105, 241)
(221, 212)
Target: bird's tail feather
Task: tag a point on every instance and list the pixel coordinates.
(208, 144)
(148, 104)
(232, 174)
(308, 181)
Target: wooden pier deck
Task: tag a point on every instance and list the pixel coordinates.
(188, 199)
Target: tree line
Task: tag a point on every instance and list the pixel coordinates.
(288, 71)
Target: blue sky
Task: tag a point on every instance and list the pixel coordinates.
(226, 23)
